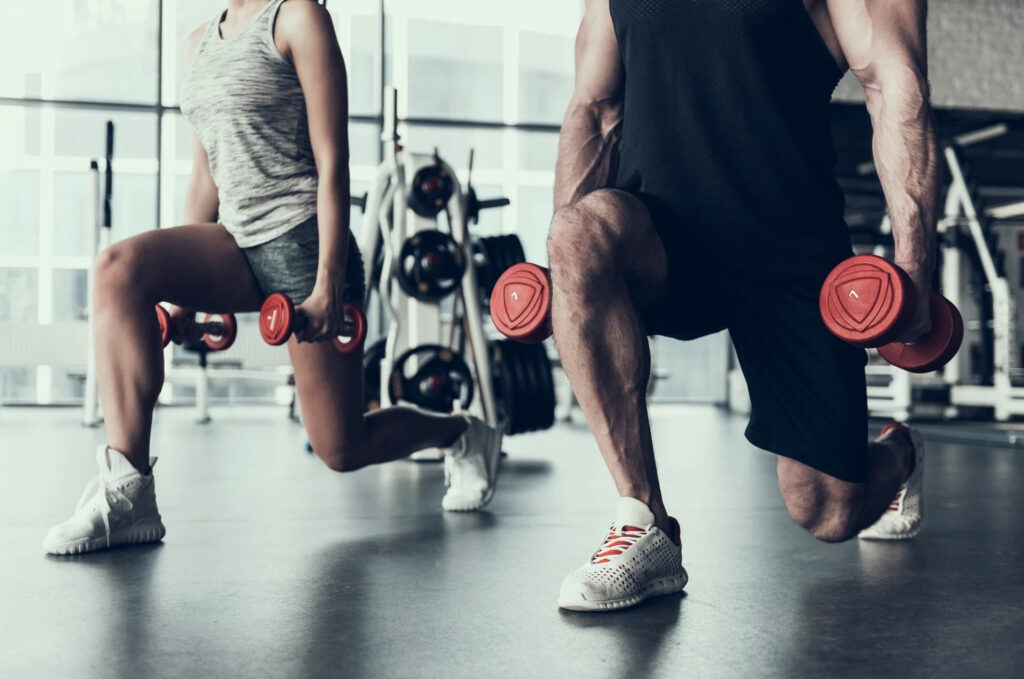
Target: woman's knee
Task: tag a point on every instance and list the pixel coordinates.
(342, 454)
(119, 269)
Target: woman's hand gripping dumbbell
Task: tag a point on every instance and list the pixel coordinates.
(870, 302)
(216, 331)
(279, 319)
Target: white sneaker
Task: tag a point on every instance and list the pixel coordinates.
(118, 507)
(636, 561)
(902, 520)
(471, 467)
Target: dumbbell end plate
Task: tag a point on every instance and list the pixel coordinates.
(521, 303)
(277, 318)
(866, 301)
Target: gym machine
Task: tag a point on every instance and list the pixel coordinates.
(983, 273)
(428, 286)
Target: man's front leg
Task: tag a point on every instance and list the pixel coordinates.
(599, 332)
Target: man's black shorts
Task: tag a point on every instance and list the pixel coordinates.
(807, 388)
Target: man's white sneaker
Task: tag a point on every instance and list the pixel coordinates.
(471, 467)
(902, 520)
(636, 561)
(118, 507)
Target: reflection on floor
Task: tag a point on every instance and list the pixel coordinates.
(274, 566)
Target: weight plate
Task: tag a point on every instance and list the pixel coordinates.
(223, 341)
(937, 348)
(163, 319)
(355, 316)
(371, 374)
(867, 301)
(277, 318)
(521, 303)
(441, 378)
(430, 266)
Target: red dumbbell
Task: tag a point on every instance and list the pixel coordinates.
(521, 303)
(278, 321)
(869, 301)
(218, 331)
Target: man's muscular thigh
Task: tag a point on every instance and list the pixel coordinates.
(610, 231)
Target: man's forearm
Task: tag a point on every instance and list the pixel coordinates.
(588, 150)
(906, 155)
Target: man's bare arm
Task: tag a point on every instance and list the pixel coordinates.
(589, 144)
(884, 43)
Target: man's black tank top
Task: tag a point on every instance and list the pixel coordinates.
(726, 131)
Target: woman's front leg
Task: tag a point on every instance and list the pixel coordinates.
(198, 267)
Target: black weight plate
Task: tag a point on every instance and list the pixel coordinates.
(539, 402)
(546, 390)
(504, 254)
(442, 360)
(501, 382)
(488, 272)
(514, 247)
(522, 408)
(371, 374)
(429, 266)
(509, 388)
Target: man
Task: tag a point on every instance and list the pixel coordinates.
(695, 192)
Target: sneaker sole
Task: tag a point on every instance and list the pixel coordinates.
(660, 587)
(139, 534)
(889, 537)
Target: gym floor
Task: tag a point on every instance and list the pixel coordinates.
(275, 566)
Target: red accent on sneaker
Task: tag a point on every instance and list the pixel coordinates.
(891, 427)
(617, 543)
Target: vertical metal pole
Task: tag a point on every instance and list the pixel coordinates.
(90, 415)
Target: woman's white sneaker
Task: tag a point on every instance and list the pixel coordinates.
(636, 561)
(902, 520)
(471, 467)
(118, 507)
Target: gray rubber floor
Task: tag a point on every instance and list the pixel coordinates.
(274, 566)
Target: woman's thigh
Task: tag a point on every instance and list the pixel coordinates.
(198, 266)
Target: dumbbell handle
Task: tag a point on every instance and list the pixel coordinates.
(279, 320)
(348, 328)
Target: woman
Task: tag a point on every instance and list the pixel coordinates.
(267, 210)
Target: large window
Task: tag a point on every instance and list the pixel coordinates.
(489, 77)
(69, 67)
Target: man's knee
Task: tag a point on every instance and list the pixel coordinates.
(827, 508)
(588, 235)
(828, 521)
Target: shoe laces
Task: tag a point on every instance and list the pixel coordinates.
(620, 538)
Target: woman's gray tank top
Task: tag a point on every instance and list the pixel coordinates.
(243, 99)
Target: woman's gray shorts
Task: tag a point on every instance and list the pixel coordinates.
(289, 263)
